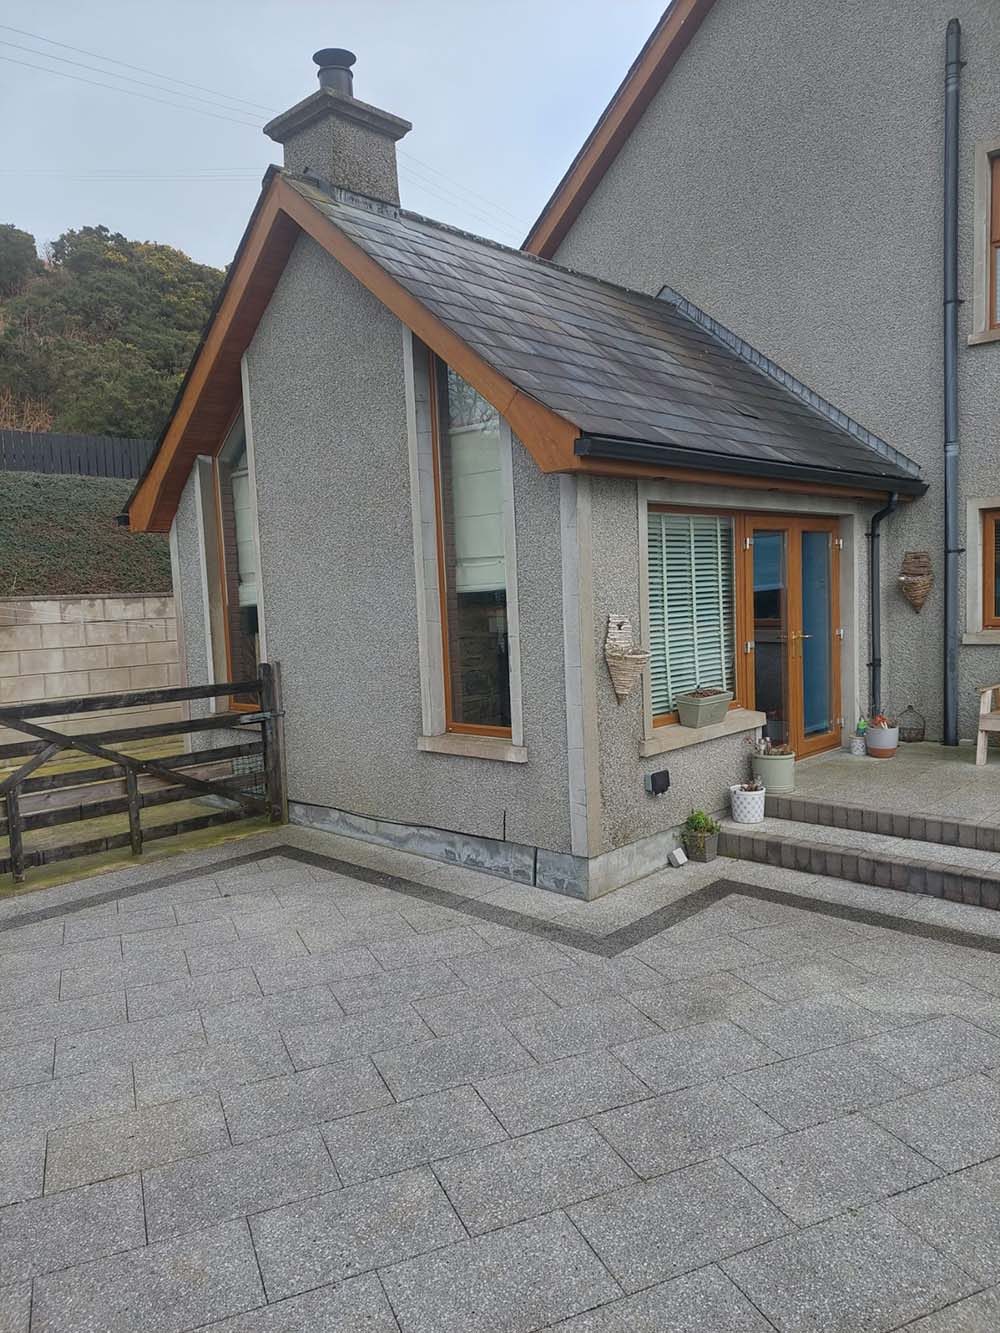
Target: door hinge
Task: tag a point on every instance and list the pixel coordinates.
(838, 721)
(839, 632)
(838, 543)
(747, 543)
(748, 646)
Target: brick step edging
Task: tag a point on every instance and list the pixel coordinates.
(906, 874)
(889, 823)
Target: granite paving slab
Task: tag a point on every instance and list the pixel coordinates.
(280, 1012)
(694, 1055)
(704, 1301)
(118, 1045)
(316, 969)
(355, 1306)
(447, 1014)
(262, 950)
(412, 1133)
(830, 1168)
(661, 1228)
(812, 1088)
(863, 1274)
(960, 1216)
(566, 1032)
(38, 1021)
(813, 1024)
(975, 1314)
(42, 1235)
(75, 982)
(28, 988)
(458, 942)
(233, 1182)
(65, 1101)
(175, 1285)
(510, 1281)
(22, 1165)
(334, 1040)
(955, 1125)
(446, 1062)
(174, 997)
(294, 1101)
(15, 1308)
(928, 1054)
(799, 979)
(398, 987)
(82, 1154)
(28, 1063)
(495, 1186)
(564, 1090)
(681, 1128)
(700, 1000)
(352, 1230)
(212, 1068)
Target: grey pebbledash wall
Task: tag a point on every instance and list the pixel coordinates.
(788, 180)
(327, 401)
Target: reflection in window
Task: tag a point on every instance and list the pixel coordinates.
(474, 567)
(239, 558)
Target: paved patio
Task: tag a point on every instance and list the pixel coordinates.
(257, 1090)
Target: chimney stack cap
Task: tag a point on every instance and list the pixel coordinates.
(335, 69)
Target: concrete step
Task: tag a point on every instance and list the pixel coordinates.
(967, 833)
(939, 869)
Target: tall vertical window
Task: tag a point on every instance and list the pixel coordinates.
(472, 557)
(692, 606)
(991, 569)
(994, 242)
(238, 560)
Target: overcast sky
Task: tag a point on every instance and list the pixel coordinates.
(501, 94)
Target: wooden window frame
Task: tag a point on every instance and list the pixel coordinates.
(434, 362)
(742, 600)
(989, 519)
(235, 706)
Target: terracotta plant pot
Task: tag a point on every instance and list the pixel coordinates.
(747, 806)
(701, 846)
(776, 771)
(703, 710)
(882, 742)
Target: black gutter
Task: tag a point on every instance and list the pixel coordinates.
(953, 69)
(875, 605)
(666, 455)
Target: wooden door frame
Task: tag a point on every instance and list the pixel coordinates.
(794, 525)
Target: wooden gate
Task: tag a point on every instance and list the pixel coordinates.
(243, 777)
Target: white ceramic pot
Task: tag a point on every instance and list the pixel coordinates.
(747, 806)
(882, 741)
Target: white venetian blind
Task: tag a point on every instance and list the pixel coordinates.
(691, 605)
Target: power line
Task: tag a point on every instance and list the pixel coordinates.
(110, 60)
(129, 92)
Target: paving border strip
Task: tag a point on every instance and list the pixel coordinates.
(603, 946)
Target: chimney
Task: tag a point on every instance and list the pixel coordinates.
(345, 142)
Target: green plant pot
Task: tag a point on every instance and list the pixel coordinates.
(701, 846)
(695, 711)
(776, 771)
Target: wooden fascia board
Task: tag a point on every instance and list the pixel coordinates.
(154, 501)
(548, 437)
(619, 468)
(669, 40)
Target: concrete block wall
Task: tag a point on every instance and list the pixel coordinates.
(66, 647)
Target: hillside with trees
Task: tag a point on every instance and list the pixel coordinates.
(96, 336)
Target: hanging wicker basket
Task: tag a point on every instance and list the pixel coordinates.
(916, 578)
(626, 662)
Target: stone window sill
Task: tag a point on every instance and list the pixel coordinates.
(676, 737)
(474, 747)
(983, 336)
(983, 636)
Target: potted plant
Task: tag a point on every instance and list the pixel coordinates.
(700, 835)
(882, 736)
(773, 763)
(704, 706)
(747, 801)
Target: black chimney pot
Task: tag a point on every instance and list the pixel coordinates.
(335, 69)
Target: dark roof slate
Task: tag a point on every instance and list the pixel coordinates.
(616, 363)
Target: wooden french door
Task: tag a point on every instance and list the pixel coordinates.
(794, 577)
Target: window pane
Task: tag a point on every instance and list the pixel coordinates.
(692, 606)
(240, 559)
(475, 573)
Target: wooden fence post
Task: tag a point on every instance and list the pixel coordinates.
(134, 823)
(15, 837)
(274, 741)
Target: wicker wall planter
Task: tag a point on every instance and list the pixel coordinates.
(626, 662)
(916, 578)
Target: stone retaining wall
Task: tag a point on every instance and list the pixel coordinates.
(65, 647)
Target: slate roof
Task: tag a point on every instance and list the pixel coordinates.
(620, 365)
